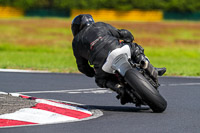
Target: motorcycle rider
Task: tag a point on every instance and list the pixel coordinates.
(94, 41)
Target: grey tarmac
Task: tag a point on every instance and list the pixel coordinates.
(181, 115)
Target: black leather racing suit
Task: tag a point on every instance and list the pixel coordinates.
(92, 45)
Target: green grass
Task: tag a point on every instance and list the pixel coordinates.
(45, 44)
(178, 61)
(54, 59)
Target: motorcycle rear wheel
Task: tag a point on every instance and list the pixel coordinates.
(145, 90)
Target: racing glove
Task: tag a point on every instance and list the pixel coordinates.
(126, 36)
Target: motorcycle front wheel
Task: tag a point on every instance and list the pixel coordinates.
(145, 90)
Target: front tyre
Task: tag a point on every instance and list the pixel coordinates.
(145, 90)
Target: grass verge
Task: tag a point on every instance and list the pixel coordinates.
(45, 44)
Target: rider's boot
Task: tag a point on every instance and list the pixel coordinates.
(115, 87)
(161, 71)
(152, 70)
(119, 89)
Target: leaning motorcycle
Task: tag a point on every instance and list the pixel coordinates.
(139, 87)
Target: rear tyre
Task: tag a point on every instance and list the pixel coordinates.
(145, 90)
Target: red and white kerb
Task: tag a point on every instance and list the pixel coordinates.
(44, 112)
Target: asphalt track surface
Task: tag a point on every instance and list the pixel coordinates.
(181, 116)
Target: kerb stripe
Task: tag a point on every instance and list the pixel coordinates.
(62, 111)
(7, 122)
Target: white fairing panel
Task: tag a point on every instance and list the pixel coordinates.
(107, 67)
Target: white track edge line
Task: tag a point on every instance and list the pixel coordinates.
(23, 71)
